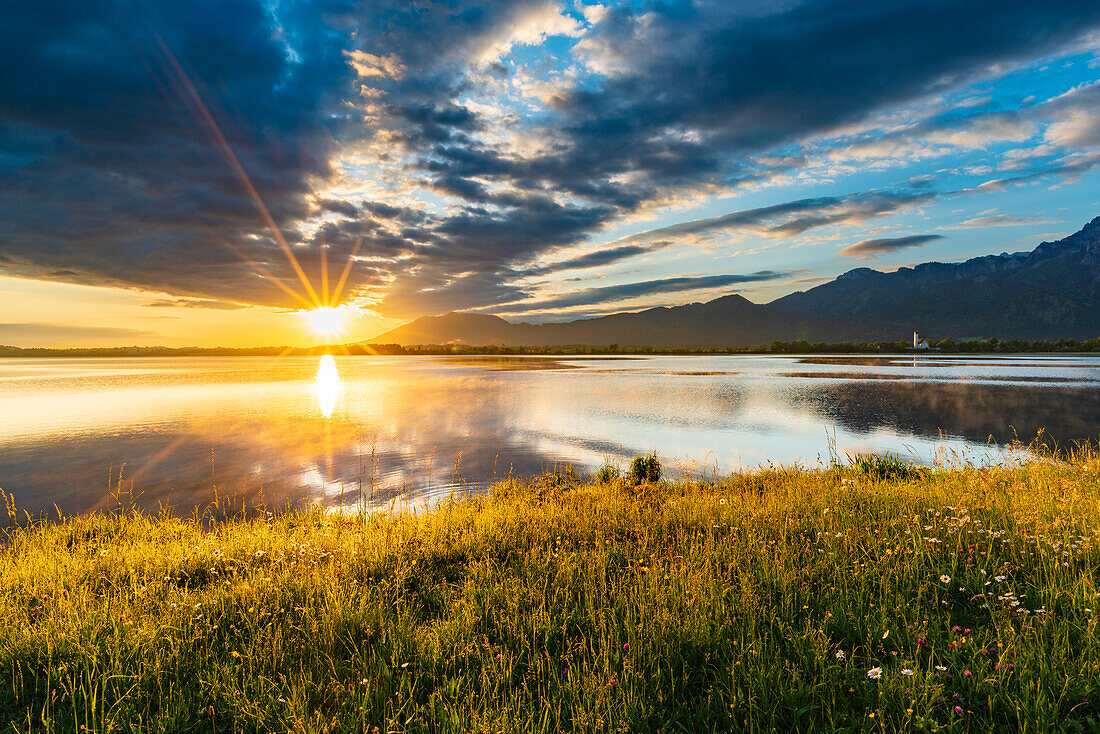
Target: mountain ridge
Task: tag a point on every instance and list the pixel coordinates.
(1049, 292)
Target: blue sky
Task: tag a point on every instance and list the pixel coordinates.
(540, 160)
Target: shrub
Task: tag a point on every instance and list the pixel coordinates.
(886, 466)
(645, 468)
(607, 473)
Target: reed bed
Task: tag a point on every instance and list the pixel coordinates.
(856, 598)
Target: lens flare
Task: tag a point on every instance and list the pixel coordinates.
(326, 321)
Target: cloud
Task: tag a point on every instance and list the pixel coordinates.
(527, 25)
(1000, 220)
(1069, 167)
(195, 303)
(592, 259)
(789, 218)
(18, 334)
(1077, 125)
(371, 66)
(123, 181)
(868, 249)
(113, 175)
(604, 294)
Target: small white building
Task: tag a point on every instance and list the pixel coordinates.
(919, 343)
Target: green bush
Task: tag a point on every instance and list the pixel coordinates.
(886, 466)
(644, 468)
(607, 473)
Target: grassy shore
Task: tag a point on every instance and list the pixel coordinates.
(863, 598)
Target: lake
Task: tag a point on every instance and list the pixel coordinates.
(394, 430)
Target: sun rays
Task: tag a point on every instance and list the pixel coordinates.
(323, 312)
(326, 321)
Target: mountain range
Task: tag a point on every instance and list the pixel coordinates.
(1052, 292)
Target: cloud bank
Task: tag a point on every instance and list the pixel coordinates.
(458, 153)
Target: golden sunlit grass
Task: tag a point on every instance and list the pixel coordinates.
(871, 597)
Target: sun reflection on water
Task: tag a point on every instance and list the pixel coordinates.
(327, 385)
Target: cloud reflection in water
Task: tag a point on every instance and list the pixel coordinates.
(309, 430)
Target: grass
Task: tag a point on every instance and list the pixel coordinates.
(757, 602)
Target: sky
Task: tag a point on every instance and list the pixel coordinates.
(203, 173)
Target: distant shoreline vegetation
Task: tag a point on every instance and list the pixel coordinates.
(944, 346)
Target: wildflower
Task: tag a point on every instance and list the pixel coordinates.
(906, 671)
(875, 673)
(958, 709)
(940, 668)
(839, 654)
(626, 646)
(945, 579)
(612, 683)
(967, 674)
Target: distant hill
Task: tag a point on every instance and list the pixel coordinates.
(1052, 292)
(730, 320)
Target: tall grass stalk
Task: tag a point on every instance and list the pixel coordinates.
(757, 602)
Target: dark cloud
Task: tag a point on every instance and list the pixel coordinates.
(110, 173)
(871, 248)
(591, 260)
(120, 180)
(626, 291)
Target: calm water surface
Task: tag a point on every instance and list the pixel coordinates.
(408, 428)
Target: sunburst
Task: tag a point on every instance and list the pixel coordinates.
(326, 321)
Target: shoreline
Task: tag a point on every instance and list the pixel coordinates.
(1006, 347)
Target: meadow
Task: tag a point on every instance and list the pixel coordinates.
(873, 596)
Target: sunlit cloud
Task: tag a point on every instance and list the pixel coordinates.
(479, 154)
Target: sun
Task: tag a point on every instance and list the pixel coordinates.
(326, 321)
